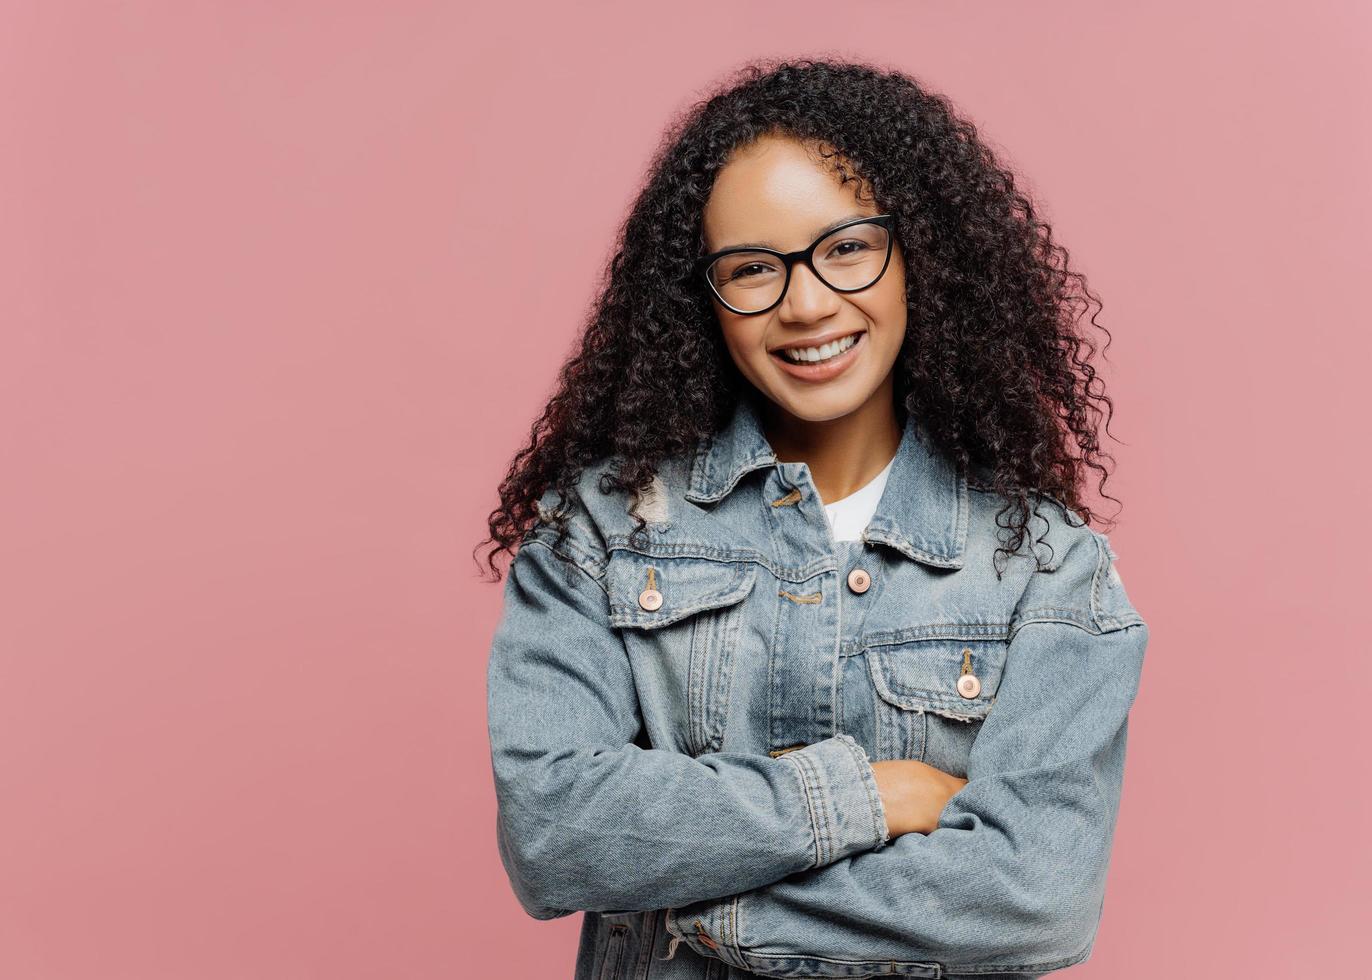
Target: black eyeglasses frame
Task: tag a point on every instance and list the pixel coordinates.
(806, 255)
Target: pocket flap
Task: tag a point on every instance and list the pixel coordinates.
(687, 585)
(923, 674)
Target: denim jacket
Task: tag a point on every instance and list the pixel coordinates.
(682, 731)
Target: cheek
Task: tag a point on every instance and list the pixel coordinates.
(743, 340)
(889, 320)
(894, 299)
(889, 315)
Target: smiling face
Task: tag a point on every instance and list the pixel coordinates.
(775, 192)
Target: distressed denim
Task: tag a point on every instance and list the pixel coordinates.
(692, 768)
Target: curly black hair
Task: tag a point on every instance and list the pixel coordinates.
(992, 363)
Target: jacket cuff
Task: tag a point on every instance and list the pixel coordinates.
(846, 817)
(709, 929)
(846, 812)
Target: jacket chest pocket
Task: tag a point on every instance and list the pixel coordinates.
(931, 696)
(682, 618)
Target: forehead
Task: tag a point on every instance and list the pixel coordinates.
(778, 190)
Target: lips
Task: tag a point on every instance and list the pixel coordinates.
(817, 371)
(819, 341)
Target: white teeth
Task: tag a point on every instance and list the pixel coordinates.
(808, 355)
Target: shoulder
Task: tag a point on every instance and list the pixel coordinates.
(566, 525)
(1067, 567)
(596, 520)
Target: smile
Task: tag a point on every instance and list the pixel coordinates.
(812, 354)
(823, 362)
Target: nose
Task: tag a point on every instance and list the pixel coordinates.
(807, 297)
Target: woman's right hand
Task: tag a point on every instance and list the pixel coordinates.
(913, 794)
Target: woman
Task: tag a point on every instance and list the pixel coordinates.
(777, 687)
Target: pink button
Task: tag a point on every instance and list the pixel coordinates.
(859, 581)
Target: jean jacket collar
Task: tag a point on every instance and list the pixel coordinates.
(923, 511)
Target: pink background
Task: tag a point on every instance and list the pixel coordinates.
(259, 385)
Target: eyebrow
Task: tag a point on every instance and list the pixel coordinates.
(818, 234)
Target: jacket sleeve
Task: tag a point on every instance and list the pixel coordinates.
(587, 819)
(1013, 878)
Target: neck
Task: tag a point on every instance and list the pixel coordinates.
(844, 454)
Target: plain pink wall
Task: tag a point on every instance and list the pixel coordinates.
(260, 383)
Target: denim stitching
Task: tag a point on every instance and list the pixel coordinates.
(576, 564)
(809, 802)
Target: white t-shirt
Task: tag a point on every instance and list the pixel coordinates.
(848, 516)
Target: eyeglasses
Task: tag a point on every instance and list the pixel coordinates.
(847, 259)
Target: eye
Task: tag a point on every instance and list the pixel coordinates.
(859, 246)
(751, 269)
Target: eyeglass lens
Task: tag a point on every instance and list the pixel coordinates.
(850, 258)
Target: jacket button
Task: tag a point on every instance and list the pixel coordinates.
(969, 686)
(650, 599)
(859, 581)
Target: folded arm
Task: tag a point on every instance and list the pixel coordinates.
(1011, 880)
(588, 820)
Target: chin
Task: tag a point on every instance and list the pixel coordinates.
(819, 407)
